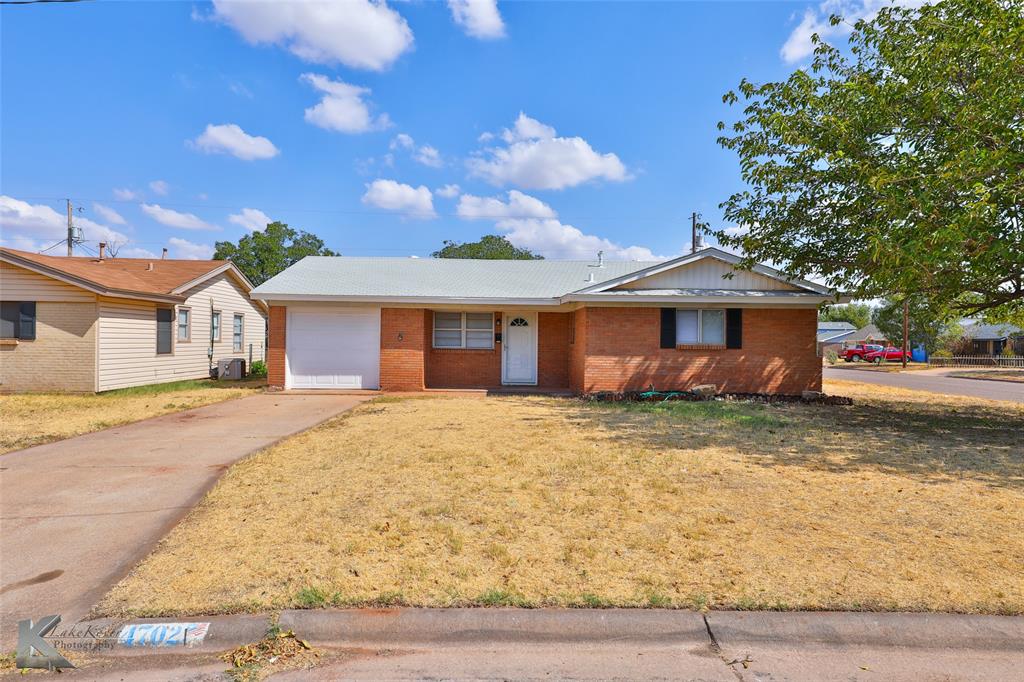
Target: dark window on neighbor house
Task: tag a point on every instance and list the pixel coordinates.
(164, 330)
(18, 320)
(238, 333)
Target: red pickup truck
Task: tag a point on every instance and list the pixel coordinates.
(890, 354)
(859, 352)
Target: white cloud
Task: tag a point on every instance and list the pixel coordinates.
(428, 156)
(448, 191)
(342, 107)
(251, 219)
(526, 128)
(135, 252)
(536, 159)
(240, 89)
(554, 239)
(229, 138)
(402, 141)
(35, 226)
(160, 187)
(530, 223)
(415, 202)
(519, 205)
(478, 18)
(737, 230)
(125, 194)
(816, 20)
(182, 248)
(109, 214)
(357, 33)
(172, 218)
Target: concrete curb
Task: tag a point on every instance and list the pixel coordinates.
(401, 626)
(907, 630)
(411, 627)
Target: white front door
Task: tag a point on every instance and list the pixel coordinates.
(519, 348)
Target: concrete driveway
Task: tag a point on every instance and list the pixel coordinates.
(935, 381)
(77, 515)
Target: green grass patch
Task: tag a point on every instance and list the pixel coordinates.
(747, 415)
(183, 385)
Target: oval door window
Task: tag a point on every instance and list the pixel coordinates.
(518, 322)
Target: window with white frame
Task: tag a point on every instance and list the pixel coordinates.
(184, 325)
(215, 325)
(705, 327)
(463, 330)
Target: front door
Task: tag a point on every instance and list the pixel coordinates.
(519, 349)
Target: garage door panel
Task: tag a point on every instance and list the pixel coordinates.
(333, 348)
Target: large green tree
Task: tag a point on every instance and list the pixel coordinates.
(490, 247)
(263, 253)
(894, 166)
(925, 321)
(857, 314)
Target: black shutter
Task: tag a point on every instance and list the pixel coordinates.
(163, 330)
(734, 328)
(668, 327)
(27, 320)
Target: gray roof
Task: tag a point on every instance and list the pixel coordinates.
(987, 332)
(869, 331)
(834, 326)
(338, 276)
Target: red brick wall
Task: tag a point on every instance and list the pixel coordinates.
(402, 361)
(277, 328)
(778, 354)
(553, 350)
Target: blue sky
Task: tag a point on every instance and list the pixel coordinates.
(383, 128)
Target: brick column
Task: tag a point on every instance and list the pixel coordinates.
(277, 331)
(402, 345)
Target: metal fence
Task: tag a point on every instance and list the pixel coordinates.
(978, 361)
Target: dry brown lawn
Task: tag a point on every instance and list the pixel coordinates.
(35, 418)
(903, 501)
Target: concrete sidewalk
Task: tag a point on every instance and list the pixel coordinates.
(607, 644)
(78, 514)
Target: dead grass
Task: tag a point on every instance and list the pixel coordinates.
(904, 501)
(34, 418)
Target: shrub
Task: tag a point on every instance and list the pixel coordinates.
(942, 354)
(258, 368)
(831, 356)
(1008, 350)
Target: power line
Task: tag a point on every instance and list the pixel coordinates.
(360, 212)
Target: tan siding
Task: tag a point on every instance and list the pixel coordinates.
(19, 284)
(62, 357)
(128, 336)
(707, 274)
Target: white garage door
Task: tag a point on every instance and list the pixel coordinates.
(333, 348)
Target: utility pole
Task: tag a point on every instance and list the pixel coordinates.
(71, 231)
(693, 242)
(906, 328)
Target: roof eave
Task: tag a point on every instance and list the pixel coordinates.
(425, 300)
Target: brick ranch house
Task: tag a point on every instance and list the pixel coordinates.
(407, 324)
(82, 324)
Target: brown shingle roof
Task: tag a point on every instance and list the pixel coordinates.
(126, 275)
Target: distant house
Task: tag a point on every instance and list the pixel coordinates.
(93, 324)
(991, 339)
(868, 334)
(833, 334)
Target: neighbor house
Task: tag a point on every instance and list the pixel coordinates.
(992, 339)
(93, 324)
(832, 334)
(414, 324)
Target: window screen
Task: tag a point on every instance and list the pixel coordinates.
(700, 326)
(237, 340)
(463, 330)
(183, 321)
(164, 321)
(687, 326)
(18, 320)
